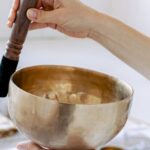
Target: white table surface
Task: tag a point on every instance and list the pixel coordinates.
(87, 54)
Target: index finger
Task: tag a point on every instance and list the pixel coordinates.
(13, 12)
(15, 5)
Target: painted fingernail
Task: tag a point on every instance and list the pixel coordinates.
(32, 14)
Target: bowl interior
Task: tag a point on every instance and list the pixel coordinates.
(71, 85)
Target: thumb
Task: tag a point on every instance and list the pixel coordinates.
(41, 16)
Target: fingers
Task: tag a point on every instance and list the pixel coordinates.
(41, 16)
(48, 5)
(34, 26)
(28, 146)
(39, 3)
(13, 12)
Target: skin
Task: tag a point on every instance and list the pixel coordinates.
(75, 19)
(29, 146)
(61, 15)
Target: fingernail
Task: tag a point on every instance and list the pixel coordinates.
(32, 14)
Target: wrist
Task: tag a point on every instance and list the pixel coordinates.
(99, 24)
(90, 21)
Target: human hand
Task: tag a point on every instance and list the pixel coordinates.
(68, 16)
(29, 146)
(32, 146)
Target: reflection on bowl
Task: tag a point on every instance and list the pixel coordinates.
(68, 107)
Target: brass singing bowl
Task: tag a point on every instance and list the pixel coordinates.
(68, 120)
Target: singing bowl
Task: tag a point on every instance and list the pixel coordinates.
(86, 121)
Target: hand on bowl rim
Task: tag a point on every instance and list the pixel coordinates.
(32, 146)
(29, 146)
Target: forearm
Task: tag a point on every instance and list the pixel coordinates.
(129, 45)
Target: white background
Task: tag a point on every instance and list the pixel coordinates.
(135, 13)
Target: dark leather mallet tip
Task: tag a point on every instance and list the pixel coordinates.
(7, 68)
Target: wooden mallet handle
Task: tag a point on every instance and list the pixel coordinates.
(19, 32)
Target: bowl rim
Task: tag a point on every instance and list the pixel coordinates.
(128, 98)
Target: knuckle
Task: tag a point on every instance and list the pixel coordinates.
(39, 15)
